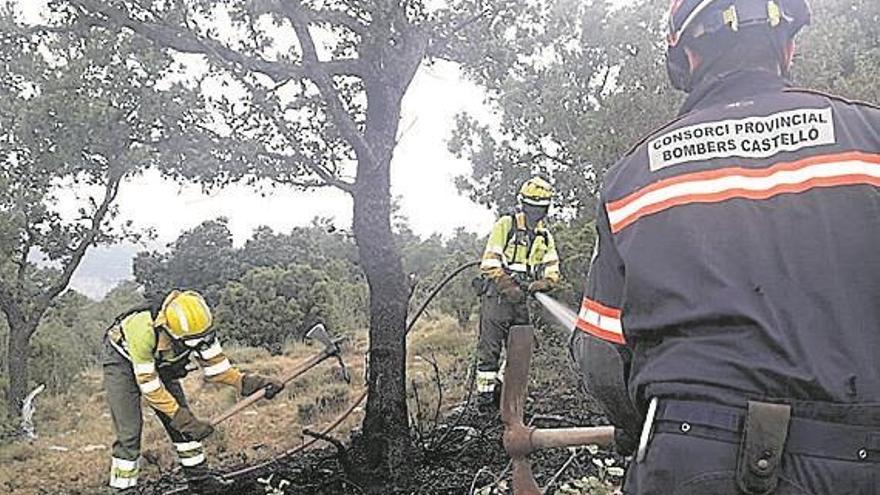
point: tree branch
(337, 18)
(299, 18)
(326, 175)
(110, 191)
(531, 156)
(25, 251)
(186, 41)
(439, 44)
(323, 16)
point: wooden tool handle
(238, 407)
(550, 438)
(516, 374)
(259, 394)
(523, 480)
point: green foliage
(574, 241)
(202, 258)
(81, 110)
(69, 338)
(272, 289)
(839, 52)
(433, 259)
(271, 304)
(276, 286)
(587, 82)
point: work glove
(509, 290)
(542, 285)
(625, 441)
(252, 382)
(184, 422)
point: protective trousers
(701, 448)
(124, 399)
(496, 318)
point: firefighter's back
(749, 231)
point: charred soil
(461, 454)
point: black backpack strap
(512, 231)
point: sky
(422, 181)
(422, 178)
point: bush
(271, 305)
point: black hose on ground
(435, 291)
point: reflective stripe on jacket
(148, 349)
(737, 248)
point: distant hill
(103, 268)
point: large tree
(78, 115)
(594, 87)
(312, 91)
(600, 86)
(202, 258)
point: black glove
(509, 290)
(542, 285)
(625, 441)
(184, 422)
(251, 383)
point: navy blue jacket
(739, 249)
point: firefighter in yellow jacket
(520, 258)
(147, 350)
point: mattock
(520, 440)
(331, 349)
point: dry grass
(73, 451)
(450, 347)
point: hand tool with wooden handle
(331, 349)
(520, 440)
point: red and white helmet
(692, 19)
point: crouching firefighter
(520, 258)
(146, 352)
(738, 272)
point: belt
(806, 436)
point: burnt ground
(461, 453)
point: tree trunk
(386, 435)
(386, 425)
(17, 365)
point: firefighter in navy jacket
(737, 270)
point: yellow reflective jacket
(512, 250)
(149, 348)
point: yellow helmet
(536, 191)
(185, 314)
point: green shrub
(272, 305)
